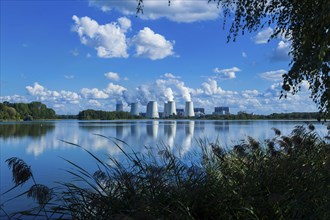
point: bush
(287, 177)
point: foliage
(304, 23)
(7, 112)
(104, 115)
(273, 116)
(25, 111)
(22, 173)
(286, 177)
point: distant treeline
(25, 111)
(104, 115)
(274, 116)
(37, 110)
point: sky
(92, 54)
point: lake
(39, 143)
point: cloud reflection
(179, 136)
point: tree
(305, 23)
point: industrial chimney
(165, 113)
(119, 107)
(171, 109)
(134, 108)
(152, 110)
(189, 110)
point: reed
(286, 177)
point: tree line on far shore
(38, 110)
(25, 111)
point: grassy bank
(287, 177)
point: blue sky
(75, 55)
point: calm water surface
(39, 143)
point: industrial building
(189, 109)
(199, 110)
(152, 110)
(221, 111)
(134, 108)
(180, 112)
(119, 107)
(169, 108)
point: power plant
(169, 108)
(165, 114)
(189, 109)
(221, 111)
(134, 108)
(119, 107)
(152, 110)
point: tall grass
(286, 177)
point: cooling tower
(189, 110)
(171, 109)
(152, 110)
(119, 107)
(165, 113)
(134, 108)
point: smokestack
(119, 107)
(165, 113)
(152, 110)
(171, 109)
(189, 110)
(134, 108)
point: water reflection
(39, 144)
(119, 131)
(152, 129)
(36, 138)
(200, 126)
(135, 130)
(189, 134)
(170, 132)
(221, 126)
(19, 130)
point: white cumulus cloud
(44, 94)
(211, 88)
(94, 103)
(109, 40)
(229, 73)
(281, 53)
(113, 89)
(170, 75)
(167, 87)
(263, 36)
(152, 45)
(112, 76)
(13, 98)
(178, 11)
(94, 93)
(274, 75)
